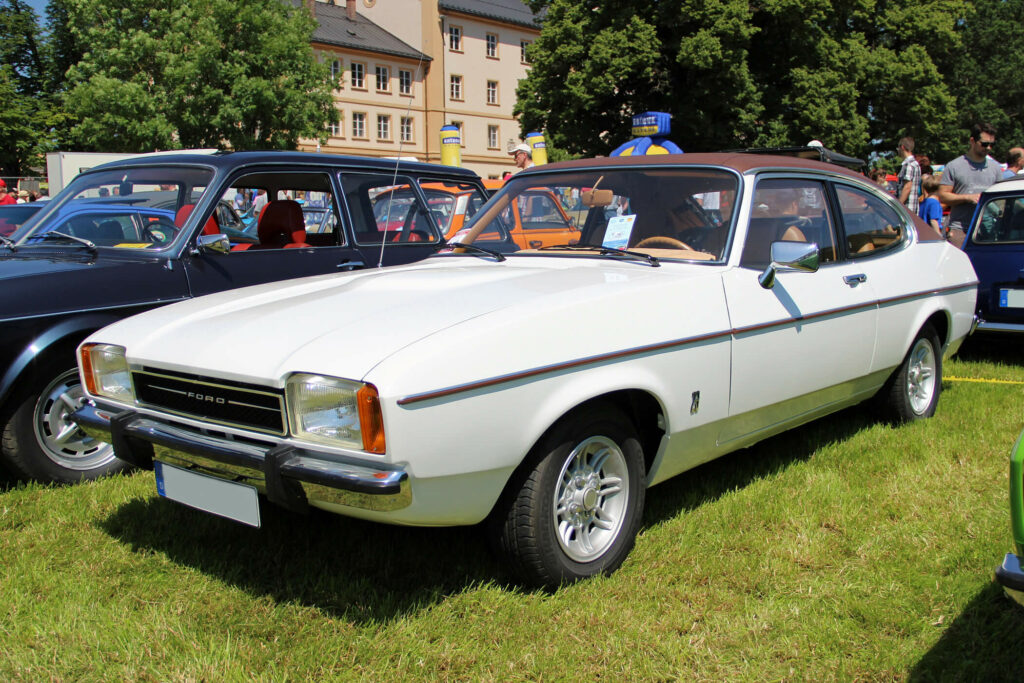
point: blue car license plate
(239, 502)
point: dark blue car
(995, 245)
(131, 235)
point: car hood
(44, 280)
(347, 324)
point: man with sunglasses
(966, 177)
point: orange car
(536, 219)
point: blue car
(131, 235)
(995, 245)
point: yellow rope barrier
(982, 381)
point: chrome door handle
(854, 280)
(350, 265)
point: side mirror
(802, 257)
(218, 244)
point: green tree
(855, 74)
(26, 116)
(169, 75)
(986, 74)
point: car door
(281, 252)
(806, 342)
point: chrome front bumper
(289, 476)
(982, 325)
(1010, 576)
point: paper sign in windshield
(619, 229)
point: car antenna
(394, 176)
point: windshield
(1001, 219)
(136, 208)
(673, 213)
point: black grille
(226, 403)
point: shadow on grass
(980, 645)
(361, 571)
(367, 572)
(1003, 349)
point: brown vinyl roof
(738, 161)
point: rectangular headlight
(335, 412)
(105, 372)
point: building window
(358, 124)
(335, 129)
(455, 88)
(336, 73)
(492, 92)
(404, 82)
(455, 38)
(492, 45)
(358, 75)
(462, 133)
(383, 79)
(383, 127)
(523, 44)
(407, 129)
(492, 137)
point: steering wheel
(161, 231)
(662, 242)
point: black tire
(912, 393)
(546, 544)
(40, 443)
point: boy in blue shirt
(930, 209)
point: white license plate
(239, 502)
(1011, 298)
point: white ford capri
(700, 304)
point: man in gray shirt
(966, 177)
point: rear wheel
(575, 512)
(41, 442)
(912, 393)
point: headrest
(281, 221)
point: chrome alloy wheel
(921, 372)
(60, 439)
(591, 499)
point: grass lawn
(844, 550)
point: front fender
(48, 337)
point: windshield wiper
(64, 236)
(605, 251)
(4, 240)
(498, 256)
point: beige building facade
(406, 68)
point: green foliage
(27, 115)
(987, 73)
(167, 75)
(855, 74)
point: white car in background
(545, 390)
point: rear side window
(1000, 220)
(869, 223)
(387, 208)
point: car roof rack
(809, 152)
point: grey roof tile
(511, 11)
(335, 28)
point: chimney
(350, 9)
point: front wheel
(40, 441)
(912, 393)
(575, 508)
